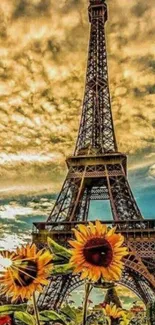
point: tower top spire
(96, 132)
(97, 8)
(97, 1)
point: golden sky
(43, 52)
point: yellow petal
(84, 230)
(98, 227)
(111, 232)
(92, 228)
(80, 237)
(84, 274)
(44, 259)
(32, 250)
(75, 244)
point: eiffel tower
(98, 171)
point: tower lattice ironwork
(98, 171)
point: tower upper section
(96, 132)
(97, 8)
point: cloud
(152, 171)
(11, 241)
(31, 8)
(17, 216)
(43, 50)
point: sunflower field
(95, 253)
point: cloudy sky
(43, 53)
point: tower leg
(123, 204)
(151, 313)
(61, 286)
(57, 291)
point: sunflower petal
(17, 280)
(84, 230)
(80, 237)
(92, 239)
(75, 244)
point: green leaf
(25, 317)
(43, 318)
(72, 314)
(108, 319)
(11, 308)
(60, 251)
(64, 268)
(69, 312)
(53, 316)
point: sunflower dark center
(98, 252)
(27, 273)
(114, 321)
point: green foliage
(10, 309)
(25, 317)
(73, 315)
(69, 312)
(20, 314)
(64, 268)
(61, 257)
(44, 316)
(51, 315)
(61, 253)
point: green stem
(88, 289)
(36, 309)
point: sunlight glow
(25, 157)
(12, 241)
(11, 211)
(4, 263)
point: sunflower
(24, 271)
(113, 312)
(97, 252)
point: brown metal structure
(97, 171)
